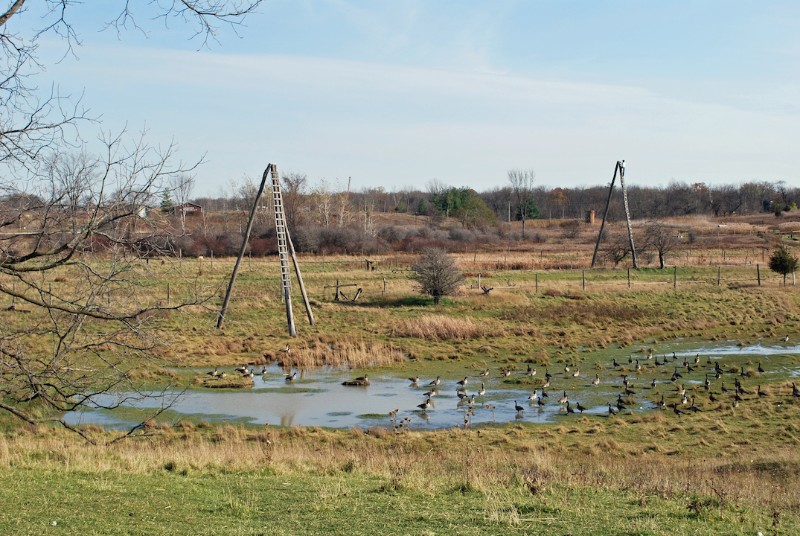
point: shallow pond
(318, 398)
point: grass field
(719, 471)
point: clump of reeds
(356, 353)
(440, 327)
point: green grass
(262, 502)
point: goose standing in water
(517, 407)
(291, 377)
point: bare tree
(661, 238)
(522, 181)
(78, 323)
(294, 197)
(437, 274)
(182, 186)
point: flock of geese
(661, 383)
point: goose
(425, 405)
(248, 375)
(241, 368)
(653, 383)
(505, 373)
(676, 410)
(547, 375)
(361, 381)
(531, 371)
(650, 355)
(707, 383)
(795, 391)
(544, 394)
(697, 359)
(435, 382)
(576, 374)
(614, 363)
(761, 393)
(431, 393)
(533, 397)
(760, 368)
(570, 411)
(564, 399)
(214, 373)
(285, 349)
(612, 410)
(660, 403)
(566, 370)
(620, 403)
(712, 398)
(638, 366)
(463, 382)
(786, 339)
(579, 407)
(414, 380)
(485, 372)
(724, 389)
(291, 377)
(596, 380)
(461, 395)
(517, 407)
(736, 402)
(482, 390)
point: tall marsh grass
(442, 328)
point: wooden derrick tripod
(619, 167)
(285, 250)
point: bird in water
(596, 380)
(414, 380)
(517, 407)
(291, 377)
(425, 405)
(435, 382)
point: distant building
(186, 208)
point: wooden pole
(299, 276)
(246, 238)
(719, 276)
(621, 166)
(537, 283)
(605, 214)
(336, 297)
(758, 274)
(168, 296)
(583, 279)
(629, 277)
(675, 277)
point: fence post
(719, 276)
(336, 297)
(384, 285)
(583, 279)
(675, 277)
(537, 283)
(168, 296)
(629, 277)
(758, 274)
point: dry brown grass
(337, 352)
(442, 328)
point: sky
(397, 94)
